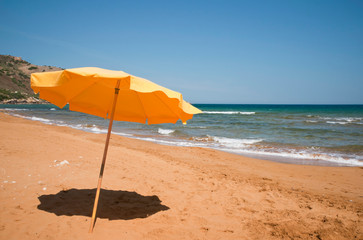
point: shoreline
(186, 192)
(298, 157)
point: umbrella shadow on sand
(113, 205)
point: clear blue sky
(211, 51)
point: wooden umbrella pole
(104, 157)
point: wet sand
(48, 176)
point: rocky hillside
(15, 79)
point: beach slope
(48, 176)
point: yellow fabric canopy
(91, 90)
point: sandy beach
(48, 177)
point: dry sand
(49, 175)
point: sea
(325, 135)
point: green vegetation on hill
(6, 94)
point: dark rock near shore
(29, 100)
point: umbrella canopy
(96, 91)
(90, 90)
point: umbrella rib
(168, 106)
(142, 104)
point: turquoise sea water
(300, 134)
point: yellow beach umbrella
(115, 95)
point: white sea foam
(247, 113)
(342, 120)
(33, 118)
(97, 130)
(122, 134)
(229, 112)
(84, 127)
(94, 129)
(194, 127)
(350, 119)
(173, 143)
(40, 119)
(332, 122)
(165, 131)
(235, 143)
(52, 109)
(301, 155)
